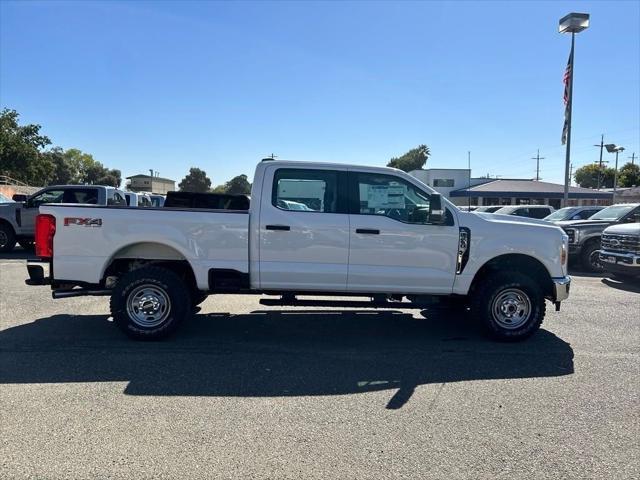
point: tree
(82, 165)
(195, 181)
(629, 175)
(236, 186)
(62, 171)
(587, 176)
(20, 148)
(414, 159)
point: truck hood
(624, 229)
(583, 223)
(495, 217)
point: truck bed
(88, 236)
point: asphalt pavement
(248, 391)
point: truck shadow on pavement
(278, 353)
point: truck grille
(621, 243)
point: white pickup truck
(363, 232)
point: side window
(144, 202)
(539, 212)
(305, 190)
(48, 196)
(389, 196)
(116, 199)
(522, 212)
(81, 195)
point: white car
(366, 231)
(138, 199)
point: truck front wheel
(150, 303)
(510, 305)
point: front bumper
(561, 288)
(619, 261)
(39, 273)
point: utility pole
(633, 158)
(537, 158)
(600, 163)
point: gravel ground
(248, 391)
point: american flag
(567, 86)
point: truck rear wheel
(510, 305)
(7, 238)
(150, 303)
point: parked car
(372, 232)
(138, 199)
(17, 220)
(529, 211)
(209, 201)
(584, 235)
(572, 213)
(488, 208)
(157, 200)
(620, 250)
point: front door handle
(369, 231)
(284, 228)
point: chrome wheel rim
(511, 308)
(3, 239)
(148, 306)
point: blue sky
(220, 85)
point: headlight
(573, 235)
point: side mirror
(19, 197)
(436, 212)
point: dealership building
(457, 185)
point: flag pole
(567, 161)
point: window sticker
(386, 196)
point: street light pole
(613, 148)
(572, 23)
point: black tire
(509, 290)
(589, 257)
(167, 297)
(7, 238)
(197, 297)
(28, 245)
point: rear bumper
(39, 273)
(561, 287)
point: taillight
(45, 230)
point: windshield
(614, 212)
(562, 214)
(506, 210)
(4, 199)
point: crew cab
(17, 219)
(369, 232)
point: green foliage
(20, 148)
(22, 157)
(629, 175)
(236, 186)
(414, 159)
(195, 181)
(587, 176)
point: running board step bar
(293, 302)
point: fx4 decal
(84, 222)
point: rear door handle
(369, 231)
(284, 228)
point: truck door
(30, 209)
(393, 247)
(304, 229)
